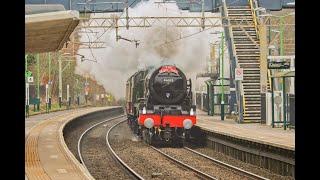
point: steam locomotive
(159, 105)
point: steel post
(27, 85)
(284, 102)
(222, 76)
(49, 74)
(208, 94)
(60, 80)
(68, 97)
(27, 100)
(272, 103)
(26, 64)
(202, 15)
(213, 95)
(281, 36)
(38, 82)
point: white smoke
(119, 60)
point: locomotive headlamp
(187, 123)
(148, 123)
(144, 110)
(191, 112)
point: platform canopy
(48, 31)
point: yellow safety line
(33, 166)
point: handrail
(229, 29)
(238, 86)
(254, 16)
(269, 78)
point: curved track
(198, 170)
(135, 174)
(125, 167)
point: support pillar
(60, 81)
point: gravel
(245, 166)
(75, 128)
(96, 156)
(202, 163)
(140, 157)
(144, 160)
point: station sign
(238, 74)
(279, 65)
(30, 79)
(28, 74)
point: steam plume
(158, 44)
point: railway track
(130, 170)
(198, 172)
(106, 123)
(135, 173)
(246, 173)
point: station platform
(259, 133)
(32, 121)
(46, 154)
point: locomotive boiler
(159, 105)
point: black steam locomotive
(159, 105)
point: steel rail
(247, 173)
(127, 167)
(87, 130)
(185, 165)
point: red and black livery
(159, 105)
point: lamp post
(60, 80)
(26, 64)
(222, 75)
(27, 87)
(221, 71)
(281, 36)
(86, 89)
(77, 92)
(60, 75)
(38, 83)
(49, 83)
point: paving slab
(47, 155)
(255, 132)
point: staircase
(247, 53)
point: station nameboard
(279, 65)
